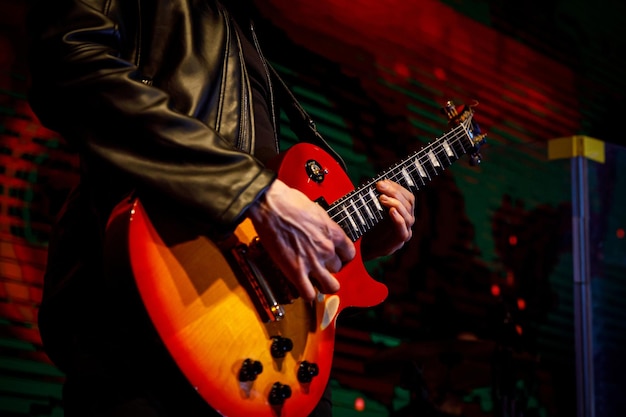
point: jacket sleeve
(85, 86)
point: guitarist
(174, 101)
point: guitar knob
(307, 371)
(280, 347)
(279, 393)
(249, 370)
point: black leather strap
(300, 122)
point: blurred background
(480, 317)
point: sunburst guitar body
(232, 323)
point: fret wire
(361, 225)
(450, 148)
(438, 164)
(373, 199)
(420, 161)
(428, 162)
(408, 172)
(368, 188)
(422, 155)
(415, 164)
(457, 147)
(397, 173)
(402, 174)
(351, 222)
(370, 216)
(361, 205)
(345, 224)
(341, 203)
(442, 150)
(358, 213)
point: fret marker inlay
(349, 217)
(375, 200)
(446, 146)
(407, 177)
(419, 168)
(367, 209)
(433, 159)
(358, 213)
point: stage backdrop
(491, 257)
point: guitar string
(423, 156)
(352, 209)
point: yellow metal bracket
(573, 146)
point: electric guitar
(233, 324)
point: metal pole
(582, 289)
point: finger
(401, 209)
(344, 247)
(403, 228)
(326, 282)
(398, 192)
(334, 264)
(403, 195)
(305, 286)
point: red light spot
(620, 233)
(440, 74)
(402, 70)
(495, 290)
(512, 240)
(359, 404)
(519, 329)
(510, 277)
(521, 304)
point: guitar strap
(299, 120)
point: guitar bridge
(268, 300)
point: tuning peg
(480, 139)
(475, 159)
(449, 110)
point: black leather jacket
(154, 96)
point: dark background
(491, 258)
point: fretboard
(361, 210)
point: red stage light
(402, 70)
(495, 290)
(359, 404)
(440, 74)
(510, 277)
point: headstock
(464, 117)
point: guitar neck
(360, 210)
